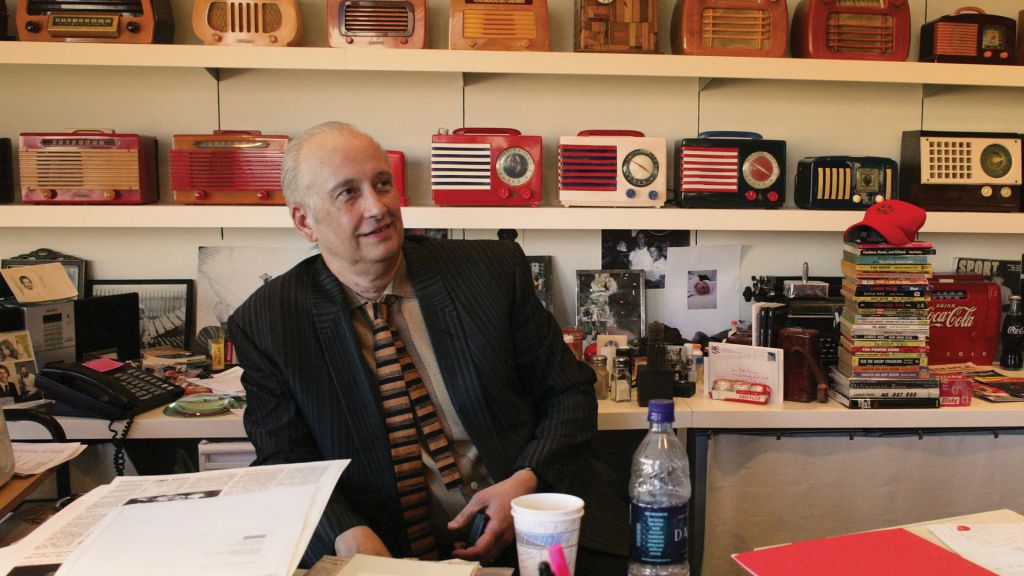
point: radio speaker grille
(729, 28)
(860, 33)
(482, 24)
(950, 160)
(244, 17)
(834, 183)
(226, 170)
(82, 170)
(374, 18)
(583, 167)
(956, 39)
(455, 166)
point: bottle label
(659, 534)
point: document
(53, 543)
(362, 565)
(998, 547)
(33, 458)
(227, 382)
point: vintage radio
(378, 23)
(731, 27)
(260, 23)
(499, 25)
(731, 170)
(964, 320)
(87, 167)
(611, 168)
(617, 26)
(486, 167)
(6, 172)
(397, 161)
(961, 171)
(852, 29)
(120, 21)
(844, 182)
(977, 38)
(227, 167)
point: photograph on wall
(39, 283)
(17, 368)
(73, 266)
(166, 309)
(1005, 273)
(645, 250)
(540, 273)
(610, 302)
(703, 285)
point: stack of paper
(34, 458)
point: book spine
(884, 258)
(888, 322)
(852, 290)
(882, 403)
(891, 303)
(888, 392)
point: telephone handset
(114, 394)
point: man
(517, 410)
(26, 283)
(640, 258)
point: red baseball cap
(895, 220)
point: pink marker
(558, 564)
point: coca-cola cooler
(964, 320)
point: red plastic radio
(6, 172)
(377, 23)
(961, 171)
(247, 22)
(227, 167)
(852, 29)
(499, 25)
(731, 27)
(87, 167)
(119, 21)
(731, 170)
(611, 168)
(486, 167)
(397, 161)
(969, 38)
(964, 320)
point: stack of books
(883, 353)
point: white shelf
(543, 218)
(491, 62)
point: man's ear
(302, 219)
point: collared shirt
(407, 322)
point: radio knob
(262, 195)
(986, 191)
(1005, 192)
(273, 39)
(403, 41)
(525, 44)
(653, 194)
(987, 53)
(472, 43)
(109, 195)
(199, 195)
(217, 37)
(1004, 55)
(133, 27)
(526, 194)
(349, 39)
(630, 193)
(504, 193)
(750, 195)
(773, 196)
(32, 27)
(856, 198)
(879, 198)
(48, 194)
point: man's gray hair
(293, 180)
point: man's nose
(373, 205)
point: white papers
(997, 547)
(703, 285)
(362, 565)
(227, 382)
(755, 364)
(32, 458)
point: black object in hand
(476, 529)
(544, 569)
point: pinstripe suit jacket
(522, 396)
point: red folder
(893, 552)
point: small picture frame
(17, 368)
(166, 309)
(540, 272)
(73, 266)
(610, 302)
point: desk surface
(17, 489)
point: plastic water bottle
(659, 489)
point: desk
(18, 488)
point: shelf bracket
(702, 83)
(214, 72)
(929, 90)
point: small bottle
(217, 350)
(659, 491)
(621, 380)
(1012, 336)
(599, 362)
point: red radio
(227, 167)
(731, 27)
(852, 29)
(87, 167)
(486, 167)
(611, 168)
(377, 23)
(397, 161)
(969, 38)
(964, 320)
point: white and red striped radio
(611, 168)
(486, 167)
(964, 320)
(731, 170)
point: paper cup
(542, 520)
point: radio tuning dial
(514, 166)
(640, 168)
(996, 160)
(761, 169)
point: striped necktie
(409, 415)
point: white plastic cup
(542, 520)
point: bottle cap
(599, 359)
(660, 410)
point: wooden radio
(87, 167)
(617, 26)
(6, 172)
(961, 171)
(247, 22)
(397, 161)
(486, 167)
(845, 182)
(611, 168)
(731, 170)
(499, 25)
(227, 167)
(976, 38)
(119, 21)
(852, 29)
(731, 27)
(377, 23)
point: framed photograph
(645, 250)
(17, 368)
(166, 307)
(610, 302)
(540, 271)
(73, 266)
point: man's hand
(496, 501)
(360, 540)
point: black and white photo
(166, 309)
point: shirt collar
(401, 287)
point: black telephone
(112, 395)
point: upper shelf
(543, 218)
(490, 62)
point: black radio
(6, 172)
(844, 182)
(730, 170)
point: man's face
(26, 282)
(641, 240)
(358, 218)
